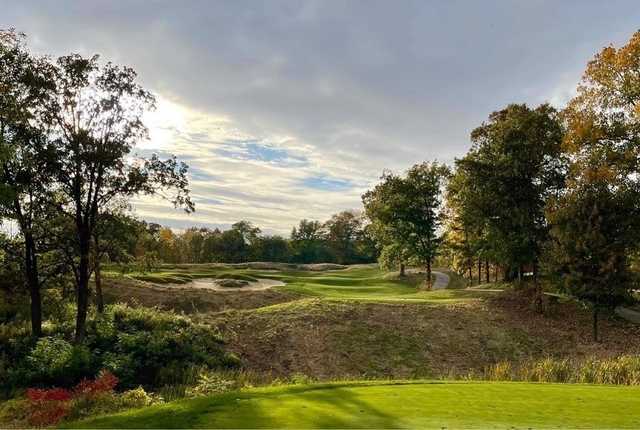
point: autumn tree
(595, 223)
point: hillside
(359, 323)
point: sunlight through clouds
(273, 181)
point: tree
(110, 241)
(24, 82)
(343, 232)
(384, 227)
(595, 222)
(307, 242)
(272, 248)
(593, 230)
(407, 210)
(514, 166)
(94, 115)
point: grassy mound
(394, 405)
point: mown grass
(355, 283)
(394, 405)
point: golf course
(302, 214)
(416, 404)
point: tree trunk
(99, 296)
(33, 283)
(98, 277)
(402, 270)
(429, 274)
(479, 270)
(486, 271)
(470, 273)
(538, 288)
(495, 279)
(595, 323)
(82, 292)
(519, 273)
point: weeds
(622, 370)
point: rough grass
(331, 339)
(394, 405)
(356, 323)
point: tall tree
(95, 115)
(596, 225)
(515, 165)
(24, 85)
(594, 228)
(408, 211)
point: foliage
(405, 213)
(138, 345)
(622, 370)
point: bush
(148, 343)
(211, 383)
(136, 398)
(141, 346)
(14, 413)
(55, 361)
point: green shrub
(141, 346)
(54, 361)
(211, 383)
(136, 398)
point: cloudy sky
(291, 109)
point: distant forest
(343, 239)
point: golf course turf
(394, 405)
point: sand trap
(214, 285)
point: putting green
(395, 405)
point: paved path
(441, 282)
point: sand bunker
(229, 284)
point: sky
(292, 109)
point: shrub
(136, 398)
(14, 413)
(141, 346)
(47, 407)
(54, 361)
(211, 383)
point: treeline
(542, 192)
(343, 239)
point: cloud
(290, 109)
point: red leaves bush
(47, 407)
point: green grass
(395, 405)
(355, 283)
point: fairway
(395, 405)
(364, 283)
